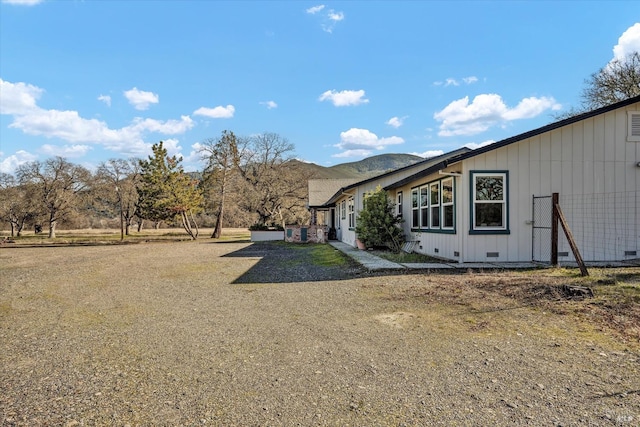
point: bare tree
(58, 184)
(276, 183)
(17, 205)
(221, 155)
(120, 179)
(615, 82)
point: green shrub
(377, 225)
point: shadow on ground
(286, 263)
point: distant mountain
(365, 168)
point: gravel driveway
(235, 334)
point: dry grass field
(229, 333)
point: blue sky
(94, 80)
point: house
(494, 203)
(337, 201)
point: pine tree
(166, 192)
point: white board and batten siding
(592, 161)
(593, 167)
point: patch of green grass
(317, 254)
(327, 256)
(403, 257)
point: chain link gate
(541, 230)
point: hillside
(364, 168)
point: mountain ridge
(365, 168)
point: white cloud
(67, 125)
(18, 98)
(169, 127)
(69, 151)
(463, 118)
(352, 153)
(23, 2)
(315, 9)
(141, 99)
(474, 145)
(331, 20)
(455, 82)
(429, 153)
(531, 107)
(269, 104)
(11, 163)
(218, 112)
(106, 99)
(628, 42)
(328, 19)
(344, 98)
(362, 142)
(396, 122)
(335, 16)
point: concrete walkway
(374, 263)
(368, 260)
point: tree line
(246, 182)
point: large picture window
(489, 202)
(433, 206)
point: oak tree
(276, 182)
(58, 186)
(17, 205)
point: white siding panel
(598, 139)
(519, 167)
(556, 144)
(588, 143)
(620, 129)
(578, 173)
(567, 143)
(545, 178)
(577, 136)
(609, 137)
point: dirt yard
(240, 334)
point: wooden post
(555, 199)
(572, 242)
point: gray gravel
(234, 334)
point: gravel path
(234, 334)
